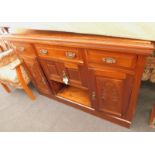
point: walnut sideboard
(99, 75)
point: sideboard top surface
(81, 40)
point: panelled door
(110, 91)
(37, 75)
(65, 72)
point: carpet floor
(19, 113)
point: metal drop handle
(70, 55)
(43, 51)
(109, 60)
(21, 49)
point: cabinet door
(51, 69)
(75, 73)
(111, 91)
(37, 75)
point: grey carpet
(19, 113)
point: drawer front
(59, 53)
(24, 49)
(102, 58)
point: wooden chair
(13, 73)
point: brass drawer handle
(70, 55)
(21, 49)
(43, 51)
(109, 60)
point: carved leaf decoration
(110, 92)
(110, 95)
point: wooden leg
(5, 87)
(24, 85)
(152, 118)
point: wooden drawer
(59, 53)
(24, 49)
(102, 58)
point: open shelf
(74, 94)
